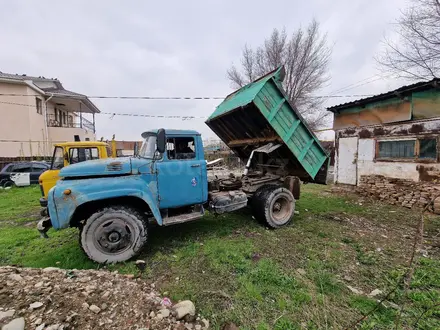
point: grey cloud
(176, 48)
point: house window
(39, 105)
(407, 149)
(397, 149)
(428, 149)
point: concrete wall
(366, 163)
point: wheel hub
(113, 236)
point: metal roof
(399, 92)
(58, 91)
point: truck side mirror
(161, 140)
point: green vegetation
(238, 271)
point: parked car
(33, 168)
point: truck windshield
(148, 147)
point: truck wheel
(275, 207)
(114, 234)
(256, 201)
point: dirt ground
(52, 298)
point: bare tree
(415, 53)
(306, 58)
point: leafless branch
(415, 52)
(305, 56)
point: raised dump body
(259, 113)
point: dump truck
(112, 201)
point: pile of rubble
(394, 191)
(55, 299)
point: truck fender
(146, 196)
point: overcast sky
(178, 48)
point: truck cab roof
(172, 132)
(81, 144)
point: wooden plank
(291, 130)
(255, 141)
(275, 109)
(305, 149)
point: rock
(165, 312)
(296, 212)
(15, 277)
(105, 295)
(85, 305)
(354, 290)
(9, 313)
(53, 327)
(152, 314)
(159, 317)
(39, 284)
(40, 327)
(375, 293)
(51, 269)
(104, 306)
(36, 305)
(301, 271)
(205, 323)
(391, 304)
(348, 278)
(184, 308)
(188, 326)
(198, 327)
(15, 324)
(38, 321)
(95, 309)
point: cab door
(179, 174)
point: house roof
(50, 87)
(399, 92)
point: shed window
(428, 148)
(397, 149)
(39, 105)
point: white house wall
(368, 136)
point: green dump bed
(259, 113)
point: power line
(186, 97)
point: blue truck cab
(112, 201)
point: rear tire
(114, 234)
(256, 200)
(275, 207)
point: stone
(301, 271)
(152, 314)
(375, 293)
(53, 327)
(15, 277)
(36, 305)
(85, 305)
(354, 290)
(9, 313)
(39, 285)
(38, 321)
(198, 327)
(40, 327)
(95, 309)
(105, 295)
(205, 323)
(159, 317)
(165, 312)
(51, 269)
(15, 324)
(184, 308)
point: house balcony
(70, 121)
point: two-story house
(37, 112)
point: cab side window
(181, 148)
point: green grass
(19, 205)
(236, 270)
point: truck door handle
(195, 165)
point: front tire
(114, 234)
(275, 207)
